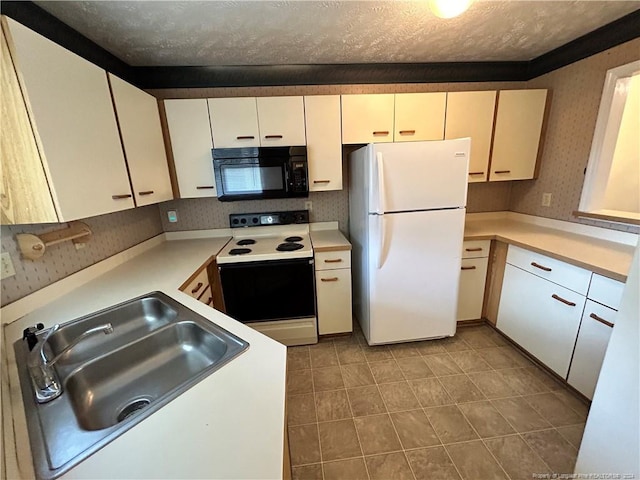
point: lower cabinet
(333, 292)
(473, 275)
(204, 286)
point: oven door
(267, 291)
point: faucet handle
(29, 334)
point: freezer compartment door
(414, 271)
(418, 175)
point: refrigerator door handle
(382, 239)
(382, 194)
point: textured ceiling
(175, 33)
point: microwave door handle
(286, 178)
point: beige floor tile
(366, 401)
(571, 400)
(377, 354)
(332, 405)
(520, 414)
(477, 338)
(298, 358)
(389, 466)
(403, 350)
(398, 396)
(432, 463)
(497, 338)
(554, 410)
(442, 364)
(492, 384)
(414, 429)
(352, 469)
(455, 344)
(323, 355)
(348, 354)
(430, 392)
(522, 381)
(498, 357)
(545, 378)
(304, 444)
(329, 378)
(299, 382)
(469, 361)
(339, 440)
(450, 424)
(516, 457)
(485, 419)
(386, 371)
(301, 409)
(461, 388)
(307, 472)
(474, 461)
(377, 434)
(518, 357)
(430, 347)
(557, 452)
(357, 375)
(414, 367)
(573, 434)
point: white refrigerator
(407, 203)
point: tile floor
(469, 407)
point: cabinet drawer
(606, 291)
(475, 248)
(569, 276)
(198, 285)
(333, 260)
(471, 294)
(333, 290)
(206, 297)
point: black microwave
(253, 173)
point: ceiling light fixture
(449, 8)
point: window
(611, 188)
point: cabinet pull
(205, 187)
(601, 320)
(332, 279)
(321, 181)
(381, 132)
(475, 249)
(560, 299)
(245, 137)
(473, 267)
(120, 197)
(502, 171)
(333, 260)
(146, 192)
(197, 287)
(406, 132)
(273, 136)
(541, 267)
(476, 173)
(210, 301)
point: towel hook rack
(33, 247)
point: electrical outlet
(172, 215)
(308, 205)
(79, 245)
(546, 199)
(7, 266)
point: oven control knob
(286, 218)
(255, 220)
(236, 221)
(243, 221)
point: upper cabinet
(470, 114)
(190, 138)
(419, 116)
(141, 134)
(281, 121)
(324, 145)
(367, 118)
(517, 134)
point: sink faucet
(44, 378)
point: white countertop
(230, 425)
(329, 241)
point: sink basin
(159, 349)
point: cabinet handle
(541, 267)
(476, 173)
(210, 301)
(560, 299)
(332, 279)
(146, 192)
(381, 132)
(273, 136)
(601, 320)
(502, 171)
(245, 137)
(197, 287)
(476, 249)
(205, 187)
(321, 181)
(333, 260)
(406, 132)
(120, 197)
(473, 267)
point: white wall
(611, 437)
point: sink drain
(132, 408)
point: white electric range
(267, 275)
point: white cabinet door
(470, 114)
(419, 116)
(281, 121)
(190, 136)
(516, 139)
(473, 275)
(593, 338)
(234, 122)
(540, 316)
(76, 126)
(141, 134)
(367, 118)
(324, 142)
(333, 296)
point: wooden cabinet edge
(543, 134)
(169, 149)
(493, 282)
(216, 286)
(286, 453)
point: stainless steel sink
(158, 350)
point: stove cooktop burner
(239, 251)
(293, 239)
(245, 241)
(289, 247)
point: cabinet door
(141, 135)
(470, 114)
(76, 126)
(473, 275)
(419, 116)
(533, 314)
(234, 122)
(333, 296)
(367, 118)
(593, 338)
(324, 142)
(281, 121)
(190, 135)
(516, 139)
